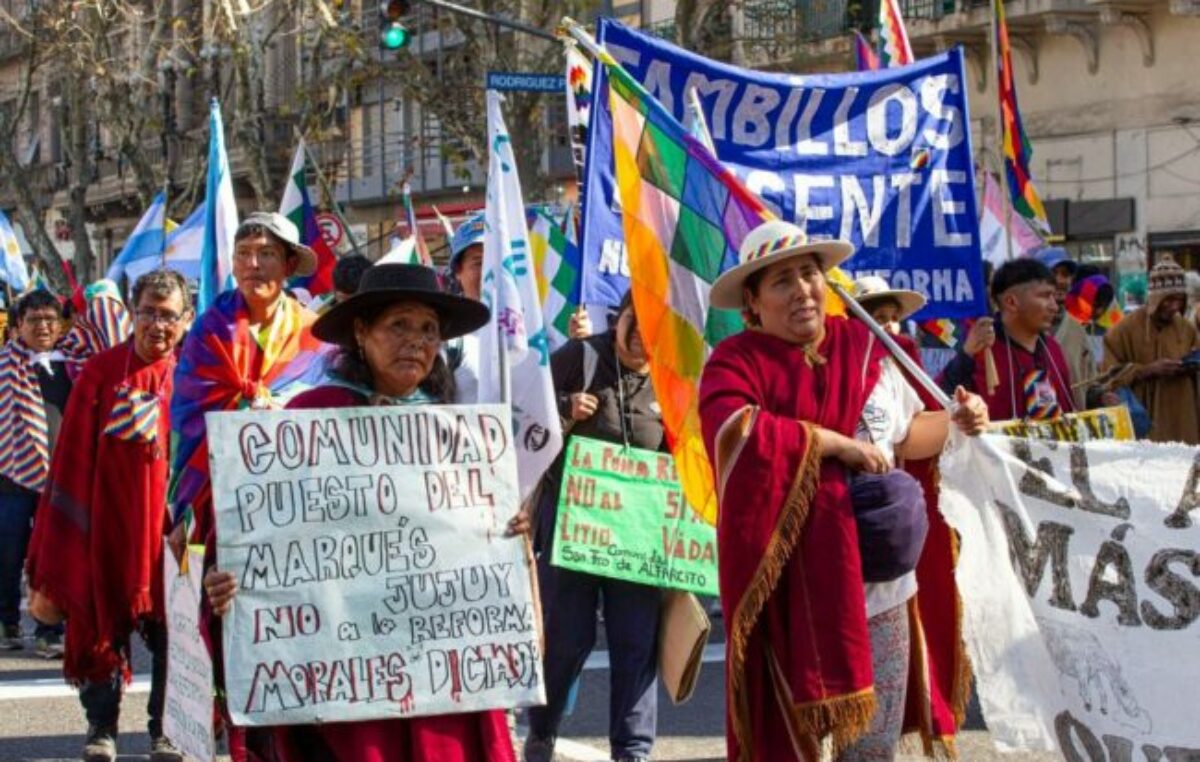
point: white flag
(509, 289)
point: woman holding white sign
(804, 416)
(390, 335)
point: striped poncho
(224, 366)
(24, 427)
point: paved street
(40, 718)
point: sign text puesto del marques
(374, 576)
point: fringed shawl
(97, 544)
(798, 660)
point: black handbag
(889, 510)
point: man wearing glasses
(96, 554)
(36, 383)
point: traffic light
(393, 35)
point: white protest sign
(187, 717)
(375, 578)
(1078, 571)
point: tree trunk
(250, 120)
(31, 214)
(82, 174)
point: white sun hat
(771, 242)
(870, 289)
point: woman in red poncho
(390, 334)
(793, 409)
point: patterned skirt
(889, 660)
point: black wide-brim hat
(382, 285)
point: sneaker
(50, 646)
(10, 639)
(538, 749)
(162, 750)
(101, 745)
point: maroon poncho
(98, 536)
(798, 664)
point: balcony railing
(806, 20)
(929, 9)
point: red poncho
(798, 664)
(98, 537)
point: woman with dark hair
(389, 336)
(804, 417)
(604, 392)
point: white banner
(1078, 570)
(515, 341)
(375, 578)
(187, 718)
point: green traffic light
(394, 36)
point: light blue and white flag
(12, 264)
(182, 251)
(510, 290)
(221, 218)
(145, 244)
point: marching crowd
(823, 446)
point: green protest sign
(621, 514)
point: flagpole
(918, 373)
(1008, 208)
(992, 377)
(334, 206)
(580, 35)
(162, 257)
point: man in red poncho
(97, 548)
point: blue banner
(882, 159)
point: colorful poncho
(103, 325)
(223, 366)
(799, 656)
(98, 539)
(24, 428)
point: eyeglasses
(41, 319)
(151, 316)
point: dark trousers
(102, 701)
(16, 526)
(569, 601)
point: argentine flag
(221, 218)
(12, 264)
(181, 250)
(145, 245)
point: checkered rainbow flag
(685, 218)
(556, 264)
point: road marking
(54, 687)
(580, 752)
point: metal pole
(334, 205)
(581, 36)
(491, 19)
(918, 373)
